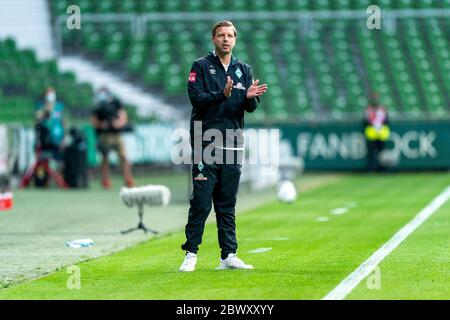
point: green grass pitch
(312, 251)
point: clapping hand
(255, 90)
(228, 87)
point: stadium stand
(23, 80)
(327, 68)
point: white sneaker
(233, 262)
(190, 260)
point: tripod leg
(141, 225)
(28, 176)
(150, 230)
(129, 230)
(56, 177)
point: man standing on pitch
(220, 89)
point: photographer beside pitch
(50, 127)
(110, 119)
(220, 89)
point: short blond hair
(224, 23)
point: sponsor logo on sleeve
(192, 76)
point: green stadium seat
(149, 6)
(333, 65)
(152, 74)
(59, 7)
(104, 6)
(21, 72)
(300, 5)
(279, 5)
(340, 4)
(127, 6)
(194, 6)
(423, 4)
(320, 5)
(86, 6)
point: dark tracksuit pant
(374, 149)
(218, 184)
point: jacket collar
(214, 58)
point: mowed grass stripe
(419, 268)
(314, 259)
(367, 267)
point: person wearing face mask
(50, 126)
(110, 119)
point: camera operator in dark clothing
(110, 119)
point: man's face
(224, 40)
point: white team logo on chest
(239, 86)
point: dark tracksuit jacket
(217, 182)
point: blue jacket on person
(54, 123)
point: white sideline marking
(260, 250)
(322, 219)
(351, 205)
(339, 211)
(271, 239)
(280, 239)
(349, 283)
